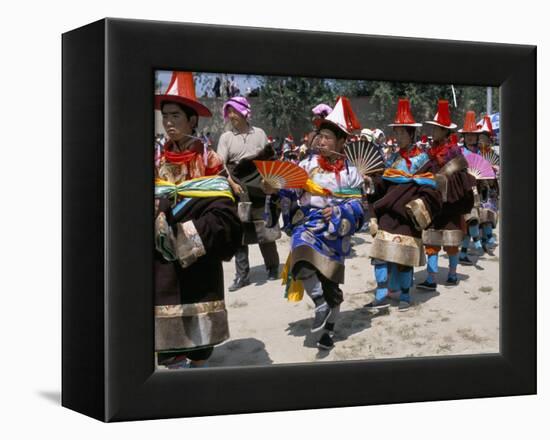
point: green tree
(287, 102)
(423, 97)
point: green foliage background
(288, 101)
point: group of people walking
(210, 205)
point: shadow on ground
(240, 352)
(348, 323)
(258, 274)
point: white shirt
(351, 179)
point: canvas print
(314, 220)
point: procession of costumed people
(416, 195)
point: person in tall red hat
(471, 132)
(456, 187)
(196, 228)
(185, 155)
(402, 203)
(321, 219)
(488, 191)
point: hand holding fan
(365, 157)
(279, 174)
(479, 167)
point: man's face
(175, 122)
(403, 137)
(328, 142)
(237, 120)
(439, 134)
(470, 139)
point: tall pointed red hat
(342, 116)
(181, 89)
(470, 125)
(485, 125)
(443, 116)
(403, 116)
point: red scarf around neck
(179, 158)
(439, 151)
(335, 167)
(407, 154)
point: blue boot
(405, 279)
(452, 278)
(381, 299)
(430, 283)
(404, 301)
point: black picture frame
(107, 301)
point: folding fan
(365, 157)
(479, 167)
(279, 174)
(491, 157)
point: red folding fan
(279, 174)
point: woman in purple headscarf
(238, 148)
(320, 111)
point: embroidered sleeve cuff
(164, 238)
(189, 246)
(419, 214)
(441, 181)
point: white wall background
(31, 234)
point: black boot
(273, 273)
(325, 342)
(239, 283)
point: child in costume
(320, 219)
(455, 185)
(471, 133)
(489, 191)
(402, 202)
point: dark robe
(402, 211)
(189, 302)
(456, 187)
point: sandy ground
(267, 329)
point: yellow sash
(295, 288)
(207, 186)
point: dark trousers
(332, 294)
(269, 253)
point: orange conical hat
(181, 89)
(443, 116)
(469, 123)
(403, 116)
